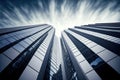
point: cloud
(62, 14)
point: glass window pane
(97, 49)
(3, 43)
(11, 53)
(91, 44)
(28, 41)
(4, 61)
(19, 47)
(28, 74)
(39, 55)
(93, 76)
(107, 55)
(23, 43)
(115, 63)
(11, 39)
(85, 66)
(80, 58)
(96, 62)
(1, 37)
(35, 63)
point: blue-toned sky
(62, 14)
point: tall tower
(88, 52)
(27, 53)
(92, 52)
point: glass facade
(96, 49)
(26, 52)
(88, 52)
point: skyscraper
(27, 53)
(88, 52)
(91, 52)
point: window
(4, 61)
(35, 63)
(19, 47)
(39, 55)
(93, 75)
(3, 43)
(107, 55)
(28, 74)
(11, 39)
(80, 58)
(11, 53)
(23, 43)
(85, 66)
(96, 62)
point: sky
(61, 14)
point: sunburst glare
(61, 16)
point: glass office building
(88, 52)
(92, 52)
(28, 53)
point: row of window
(100, 35)
(107, 27)
(84, 64)
(115, 34)
(36, 62)
(22, 49)
(107, 44)
(103, 29)
(69, 68)
(5, 43)
(54, 65)
(97, 49)
(24, 31)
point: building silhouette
(87, 52)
